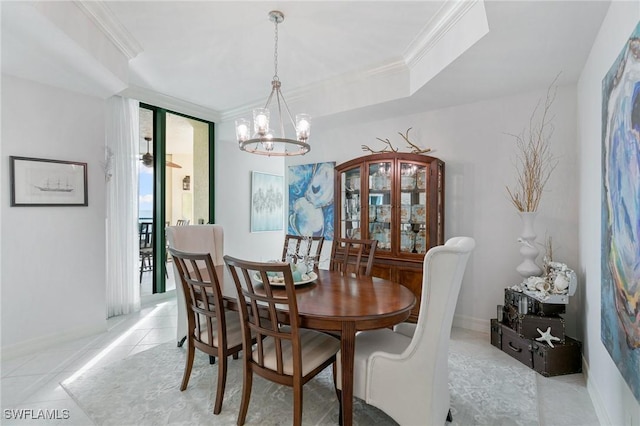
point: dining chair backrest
(353, 256)
(194, 239)
(298, 248)
(261, 312)
(283, 352)
(211, 328)
(203, 296)
(425, 399)
(146, 235)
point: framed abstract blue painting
(620, 263)
(311, 200)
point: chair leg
(212, 359)
(338, 392)
(181, 341)
(235, 356)
(297, 403)
(222, 381)
(188, 365)
(247, 379)
(449, 416)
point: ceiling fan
(147, 159)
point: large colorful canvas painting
(620, 306)
(267, 202)
(311, 200)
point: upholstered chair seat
(234, 330)
(316, 347)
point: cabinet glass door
(350, 193)
(380, 204)
(413, 208)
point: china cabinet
(397, 199)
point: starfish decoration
(546, 337)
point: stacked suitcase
(516, 333)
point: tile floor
(146, 282)
(32, 382)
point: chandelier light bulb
(268, 142)
(261, 121)
(242, 129)
(303, 126)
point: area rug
(143, 389)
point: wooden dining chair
(284, 353)
(353, 256)
(211, 328)
(297, 248)
(416, 362)
(193, 239)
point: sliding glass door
(176, 181)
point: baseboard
(596, 399)
(33, 345)
(475, 324)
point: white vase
(528, 250)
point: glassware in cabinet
(413, 207)
(351, 203)
(380, 203)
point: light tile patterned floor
(32, 382)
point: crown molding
(169, 102)
(102, 16)
(445, 19)
(381, 71)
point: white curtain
(121, 172)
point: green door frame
(159, 193)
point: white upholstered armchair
(194, 239)
(405, 372)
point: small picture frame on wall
(43, 182)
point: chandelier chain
(275, 53)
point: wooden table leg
(347, 353)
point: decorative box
(527, 325)
(526, 304)
(563, 358)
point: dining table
(342, 304)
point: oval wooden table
(346, 304)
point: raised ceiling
(215, 58)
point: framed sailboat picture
(43, 182)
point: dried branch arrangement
(415, 149)
(535, 161)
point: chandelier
(263, 140)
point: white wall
(53, 258)
(233, 200)
(478, 158)
(612, 397)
